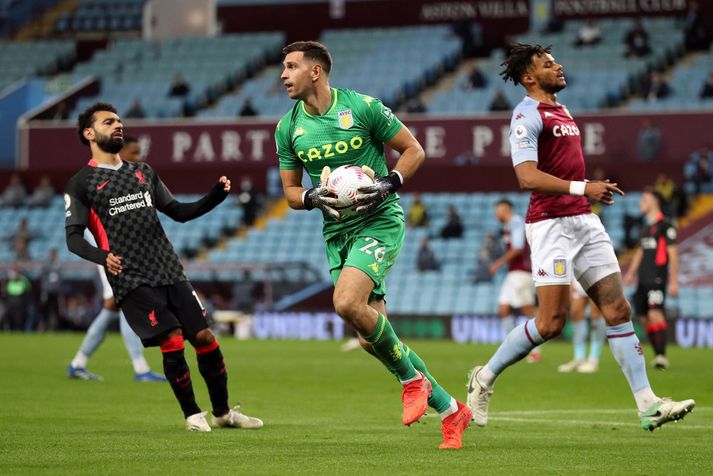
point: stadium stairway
(276, 210)
(702, 206)
(447, 81)
(44, 25)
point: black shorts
(647, 298)
(153, 311)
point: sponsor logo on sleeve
(520, 131)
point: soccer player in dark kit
(117, 201)
(656, 261)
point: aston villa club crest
(346, 120)
(560, 267)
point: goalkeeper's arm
(412, 154)
(292, 187)
(299, 197)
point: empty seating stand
(595, 74)
(406, 60)
(133, 69)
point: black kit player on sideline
(656, 261)
(117, 201)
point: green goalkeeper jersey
(352, 131)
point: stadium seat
(594, 75)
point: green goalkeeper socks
(408, 362)
(440, 400)
(389, 349)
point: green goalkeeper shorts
(373, 249)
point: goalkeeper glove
(316, 197)
(372, 196)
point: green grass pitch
(328, 412)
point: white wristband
(303, 196)
(577, 188)
(401, 177)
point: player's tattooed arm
(532, 179)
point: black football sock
(178, 374)
(212, 368)
(657, 336)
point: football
(344, 183)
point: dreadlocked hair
(520, 59)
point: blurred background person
(43, 194)
(15, 193)
(179, 87)
(417, 216)
(454, 226)
(131, 151)
(21, 240)
(597, 333)
(656, 266)
(249, 200)
(136, 111)
(17, 295)
(476, 79)
(247, 110)
(649, 142)
(500, 102)
(52, 294)
(517, 293)
(487, 254)
(426, 259)
(589, 34)
(707, 89)
(637, 41)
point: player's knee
(619, 312)
(204, 337)
(345, 306)
(551, 326)
(177, 332)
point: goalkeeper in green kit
(329, 127)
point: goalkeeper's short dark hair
(520, 59)
(86, 118)
(313, 50)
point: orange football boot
(415, 399)
(454, 426)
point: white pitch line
(591, 422)
(583, 411)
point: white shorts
(107, 293)
(578, 291)
(568, 248)
(517, 290)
